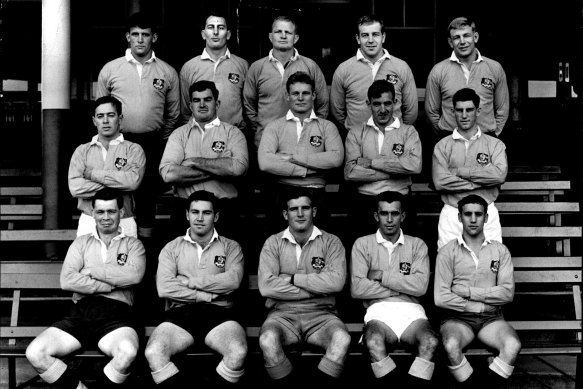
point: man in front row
(101, 269)
(390, 272)
(473, 280)
(197, 274)
(300, 271)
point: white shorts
(449, 226)
(397, 315)
(87, 225)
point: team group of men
(203, 130)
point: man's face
(201, 217)
(215, 33)
(141, 40)
(463, 41)
(473, 217)
(107, 121)
(283, 35)
(204, 106)
(300, 214)
(107, 216)
(301, 98)
(382, 109)
(371, 39)
(466, 115)
(389, 216)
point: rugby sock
(229, 375)
(383, 367)
(164, 373)
(280, 371)
(462, 371)
(422, 368)
(54, 372)
(113, 375)
(501, 368)
(329, 367)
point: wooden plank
(30, 267)
(21, 209)
(16, 191)
(37, 235)
(541, 232)
(538, 207)
(511, 186)
(548, 276)
(20, 172)
(548, 262)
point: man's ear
(284, 213)
(216, 216)
(314, 211)
(128, 37)
(154, 37)
(476, 37)
(296, 38)
(122, 213)
(486, 218)
(450, 42)
(459, 217)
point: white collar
(130, 58)
(293, 57)
(205, 55)
(215, 123)
(120, 234)
(288, 235)
(393, 126)
(381, 240)
(113, 142)
(361, 57)
(457, 135)
(290, 116)
(455, 59)
(189, 239)
(462, 242)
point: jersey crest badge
(405, 268)
(398, 149)
(483, 159)
(393, 79)
(494, 266)
(218, 146)
(316, 141)
(120, 162)
(158, 83)
(122, 259)
(220, 261)
(234, 78)
(318, 263)
(488, 83)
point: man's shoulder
(191, 64)
(258, 63)
(491, 62)
(415, 241)
(114, 63)
(241, 60)
(398, 62)
(166, 66)
(347, 64)
(441, 66)
(275, 124)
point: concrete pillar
(56, 104)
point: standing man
(474, 278)
(300, 148)
(468, 162)
(101, 269)
(390, 272)
(217, 64)
(206, 154)
(197, 274)
(381, 155)
(264, 93)
(466, 68)
(300, 271)
(353, 77)
(149, 91)
(108, 161)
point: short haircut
(300, 77)
(296, 192)
(472, 199)
(217, 14)
(369, 19)
(459, 23)
(107, 100)
(141, 20)
(285, 18)
(390, 197)
(377, 88)
(201, 86)
(107, 194)
(203, 195)
(466, 94)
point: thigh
(56, 342)
(282, 327)
(416, 331)
(323, 328)
(222, 336)
(496, 333)
(457, 330)
(374, 327)
(110, 341)
(171, 337)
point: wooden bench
(25, 282)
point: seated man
(390, 272)
(101, 269)
(197, 274)
(473, 280)
(300, 271)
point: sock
(113, 375)
(330, 367)
(422, 368)
(54, 372)
(383, 367)
(462, 371)
(501, 368)
(279, 371)
(229, 375)
(164, 373)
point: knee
(126, 353)
(428, 344)
(268, 340)
(452, 346)
(512, 347)
(375, 342)
(36, 352)
(238, 351)
(154, 352)
(341, 339)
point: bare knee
(236, 354)
(428, 344)
(339, 344)
(453, 348)
(157, 355)
(375, 343)
(268, 340)
(511, 348)
(125, 353)
(38, 355)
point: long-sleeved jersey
(221, 141)
(479, 169)
(405, 277)
(190, 274)
(264, 92)
(318, 150)
(85, 272)
(123, 169)
(484, 279)
(228, 74)
(319, 274)
(391, 169)
(350, 84)
(487, 78)
(150, 102)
